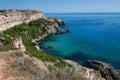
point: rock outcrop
(12, 18)
(58, 21)
(17, 43)
(89, 74)
(107, 71)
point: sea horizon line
(82, 12)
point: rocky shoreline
(58, 23)
(107, 71)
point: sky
(63, 6)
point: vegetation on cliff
(29, 32)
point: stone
(17, 43)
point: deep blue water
(92, 36)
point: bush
(2, 11)
(63, 74)
(20, 54)
(42, 56)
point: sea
(92, 36)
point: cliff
(11, 18)
(22, 30)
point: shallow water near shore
(92, 36)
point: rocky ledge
(58, 21)
(107, 71)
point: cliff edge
(9, 19)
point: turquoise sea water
(92, 36)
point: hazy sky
(60, 6)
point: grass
(19, 54)
(63, 74)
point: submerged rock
(47, 47)
(107, 71)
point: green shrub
(51, 68)
(19, 54)
(3, 48)
(2, 11)
(42, 56)
(8, 42)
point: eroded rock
(106, 70)
(12, 18)
(58, 21)
(17, 43)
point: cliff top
(10, 10)
(28, 12)
(10, 18)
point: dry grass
(15, 65)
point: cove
(93, 36)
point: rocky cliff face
(106, 70)
(12, 18)
(89, 74)
(17, 43)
